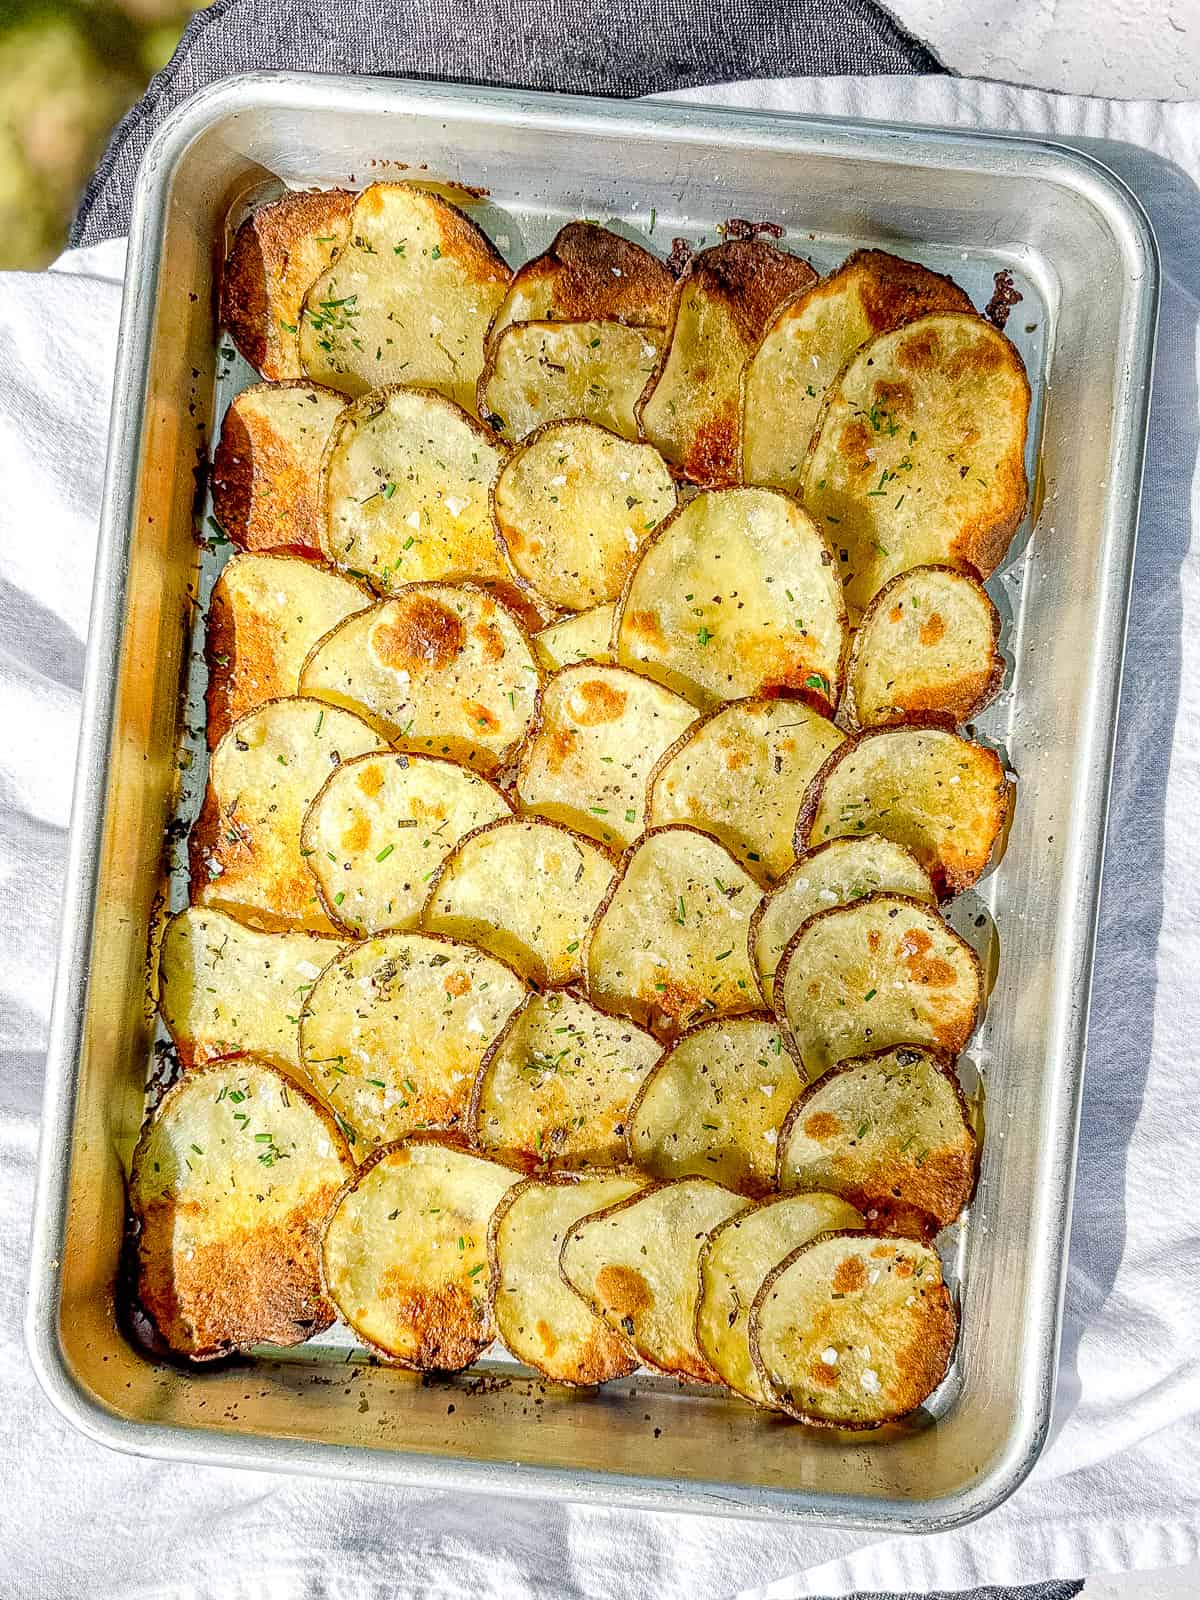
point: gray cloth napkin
(608, 47)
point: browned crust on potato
(955, 1040)
(455, 1335)
(256, 296)
(673, 1002)
(608, 1355)
(386, 755)
(241, 664)
(963, 700)
(262, 497)
(751, 278)
(926, 1360)
(752, 1190)
(596, 275)
(546, 1163)
(688, 1369)
(894, 290)
(947, 881)
(264, 1288)
(914, 1202)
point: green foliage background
(68, 70)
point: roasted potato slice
(277, 252)
(636, 1265)
(573, 505)
(736, 595)
(584, 637)
(883, 971)
(438, 670)
(851, 1331)
(558, 1082)
(892, 1134)
(245, 845)
(231, 1181)
(545, 371)
(926, 647)
(919, 456)
(381, 827)
(668, 946)
(405, 483)
(740, 774)
(715, 1102)
(408, 300)
(589, 274)
(266, 473)
(809, 340)
(266, 614)
(598, 733)
(394, 1029)
(725, 298)
(834, 874)
(543, 1322)
(225, 989)
(404, 1256)
(734, 1262)
(525, 890)
(941, 797)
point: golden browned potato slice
(584, 637)
(225, 989)
(245, 846)
(266, 614)
(393, 1031)
(598, 733)
(715, 1102)
(880, 972)
(408, 300)
(438, 670)
(725, 298)
(740, 774)
(277, 252)
(941, 797)
(734, 1263)
(668, 946)
(736, 595)
(851, 1331)
(377, 833)
(542, 1321)
(834, 874)
(926, 647)
(588, 274)
(231, 1181)
(636, 1264)
(525, 890)
(404, 1256)
(544, 371)
(405, 491)
(807, 343)
(920, 453)
(557, 1084)
(573, 505)
(266, 474)
(891, 1133)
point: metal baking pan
(1082, 254)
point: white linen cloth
(1118, 1486)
